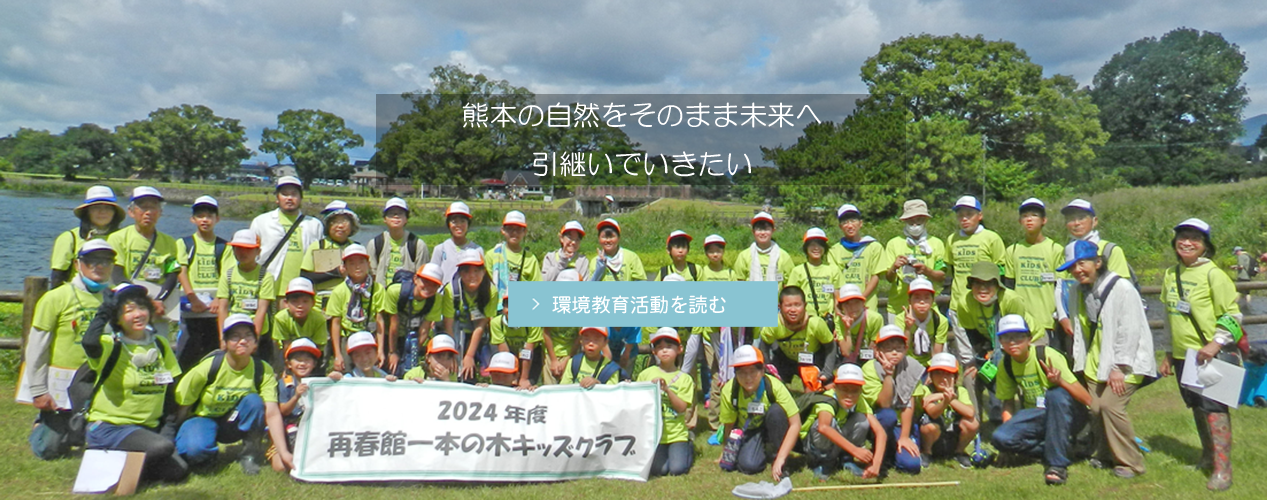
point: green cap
(984, 271)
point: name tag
(866, 354)
(778, 277)
(163, 377)
(1049, 277)
(250, 304)
(152, 274)
(525, 354)
(1040, 402)
(1183, 306)
(829, 288)
(805, 358)
(756, 408)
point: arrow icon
(535, 304)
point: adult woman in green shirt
(1202, 317)
(139, 369)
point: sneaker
(853, 468)
(821, 474)
(964, 461)
(925, 460)
(250, 466)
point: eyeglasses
(98, 262)
(249, 339)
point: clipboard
(325, 260)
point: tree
(1261, 143)
(1045, 124)
(185, 141)
(90, 149)
(314, 140)
(33, 151)
(1172, 105)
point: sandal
(1056, 475)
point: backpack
(605, 370)
(690, 267)
(383, 250)
(1039, 350)
(217, 360)
(1108, 250)
(806, 402)
(192, 246)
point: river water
(33, 220)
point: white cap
(1078, 204)
(361, 340)
(335, 205)
(847, 209)
(745, 356)
(503, 362)
(1012, 323)
(442, 343)
(515, 218)
(849, 292)
(458, 208)
(95, 245)
(236, 319)
(300, 285)
(676, 234)
(97, 194)
(431, 272)
(673, 277)
(814, 233)
(396, 203)
(470, 258)
(288, 180)
(849, 373)
(921, 284)
(1033, 202)
(245, 238)
(1194, 223)
(303, 345)
(890, 332)
(608, 222)
(714, 238)
(944, 361)
(206, 200)
(762, 216)
(145, 192)
(572, 226)
(568, 275)
(969, 202)
(665, 332)
(355, 249)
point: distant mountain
(1252, 127)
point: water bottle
(411, 351)
(730, 453)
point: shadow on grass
(1182, 452)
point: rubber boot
(1206, 463)
(1221, 437)
(250, 458)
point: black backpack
(191, 246)
(605, 370)
(411, 246)
(690, 267)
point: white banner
(373, 430)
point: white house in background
(525, 181)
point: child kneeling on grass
(302, 358)
(891, 380)
(768, 413)
(838, 430)
(676, 454)
(947, 420)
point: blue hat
(1078, 250)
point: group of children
(845, 384)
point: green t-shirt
(868, 326)
(1210, 294)
(708, 274)
(286, 329)
(736, 412)
(685, 272)
(245, 290)
(841, 414)
(563, 339)
(819, 284)
(792, 343)
(294, 252)
(130, 395)
(859, 267)
(397, 259)
(783, 269)
(935, 260)
(420, 372)
(130, 246)
(937, 335)
(520, 266)
(467, 306)
(961, 395)
(984, 245)
(441, 307)
(682, 385)
(985, 319)
(202, 268)
(587, 369)
(221, 395)
(1034, 269)
(630, 269)
(515, 338)
(310, 262)
(65, 313)
(66, 250)
(337, 308)
(1033, 381)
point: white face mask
(914, 231)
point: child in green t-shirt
(856, 325)
(441, 363)
(762, 410)
(355, 305)
(679, 245)
(817, 277)
(675, 455)
(245, 288)
(590, 367)
(1031, 270)
(202, 258)
(503, 371)
(804, 341)
(510, 260)
(303, 356)
(363, 350)
(843, 427)
(924, 324)
(560, 342)
(299, 320)
(947, 420)
(414, 316)
(520, 342)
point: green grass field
(1160, 419)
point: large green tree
(91, 149)
(314, 140)
(1172, 104)
(185, 141)
(31, 150)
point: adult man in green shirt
(284, 262)
(147, 257)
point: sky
(109, 62)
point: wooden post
(33, 287)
